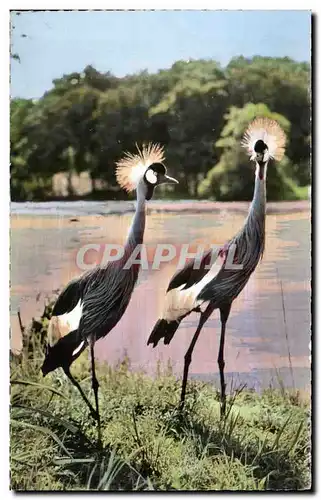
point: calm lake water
(268, 332)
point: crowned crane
(92, 304)
(216, 286)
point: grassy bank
(264, 442)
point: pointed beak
(260, 152)
(169, 180)
(259, 157)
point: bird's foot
(94, 414)
(223, 409)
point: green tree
(25, 181)
(88, 118)
(283, 85)
(193, 111)
(232, 178)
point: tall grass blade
(44, 430)
(92, 472)
(70, 427)
(115, 465)
(40, 386)
(296, 437)
(279, 434)
(72, 461)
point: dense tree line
(196, 109)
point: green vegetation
(263, 444)
(197, 110)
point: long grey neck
(135, 235)
(254, 229)
(258, 205)
(136, 232)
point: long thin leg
(225, 311)
(76, 384)
(95, 385)
(188, 356)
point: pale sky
(125, 42)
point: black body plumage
(90, 306)
(163, 330)
(61, 354)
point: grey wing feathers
(225, 287)
(105, 300)
(228, 283)
(69, 298)
(189, 276)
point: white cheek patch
(151, 177)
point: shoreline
(80, 208)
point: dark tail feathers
(163, 329)
(62, 353)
